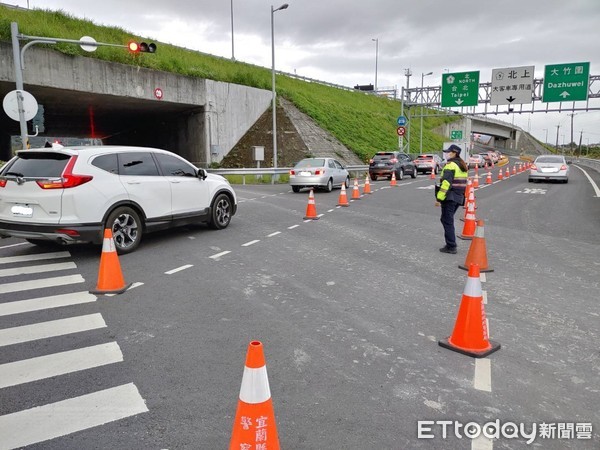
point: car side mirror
(202, 174)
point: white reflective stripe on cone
(255, 386)
(108, 245)
(473, 287)
(479, 232)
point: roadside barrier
(254, 425)
(470, 333)
(477, 253)
(343, 199)
(311, 208)
(110, 277)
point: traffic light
(141, 47)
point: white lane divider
(15, 245)
(41, 367)
(594, 185)
(274, 234)
(218, 255)
(53, 328)
(40, 284)
(71, 415)
(248, 244)
(178, 269)
(37, 304)
(36, 269)
(33, 257)
(293, 226)
(484, 295)
(482, 380)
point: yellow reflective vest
(453, 183)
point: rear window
(383, 156)
(313, 162)
(37, 165)
(550, 159)
(424, 157)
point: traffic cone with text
(367, 189)
(311, 208)
(470, 334)
(110, 277)
(355, 190)
(477, 253)
(469, 226)
(254, 425)
(343, 200)
(393, 182)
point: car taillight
(371, 161)
(533, 167)
(320, 172)
(292, 172)
(68, 232)
(393, 160)
(2, 183)
(67, 180)
(563, 167)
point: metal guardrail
(272, 171)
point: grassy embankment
(363, 123)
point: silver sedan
(324, 173)
(549, 167)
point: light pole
(232, 48)
(546, 130)
(376, 40)
(423, 75)
(284, 6)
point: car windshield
(550, 159)
(383, 156)
(311, 162)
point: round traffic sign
(402, 121)
(158, 93)
(401, 131)
(88, 48)
(11, 105)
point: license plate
(549, 170)
(305, 174)
(380, 165)
(22, 211)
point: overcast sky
(332, 40)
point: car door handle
(134, 182)
(175, 181)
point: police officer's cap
(453, 148)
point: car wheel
(414, 173)
(566, 181)
(373, 177)
(400, 174)
(329, 186)
(126, 229)
(347, 182)
(530, 180)
(220, 215)
(296, 189)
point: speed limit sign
(401, 131)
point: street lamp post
(232, 47)
(284, 6)
(423, 75)
(376, 40)
(546, 130)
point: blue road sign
(402, 121)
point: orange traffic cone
(393, 182)
(488, 179)
(468, 192)
(432, 176)
(500, 176)
(343, 200)
(367, 189)
(254, 425)
(514, 171)
(470, 334)
(110, 277)
(355, 190)
(470, 199)
(476, 181)
(469, 227)
(477, 253)
(311, 209)
(507, 173)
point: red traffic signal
(141, 47)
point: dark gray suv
(383, 164)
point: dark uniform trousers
(449, 208)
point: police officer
(451, 194)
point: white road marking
(594, 185)
(133, 286)
(36, 269)
(34, 257)
(320, 215)
(191, 237)
(274, 234)
(26, 333)
(15, 245)
(33, 369)
(482, 443)
(482, 380)
(330, 210)
(71, 415)
(484, 295)
(37, 304)
(248, 244)
(218, 255)
(293, 226)
(39, 284)
(482, 277)
(178, 269)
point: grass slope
(363, 123)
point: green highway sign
(460, 89)
(456, 134)
(566, 82)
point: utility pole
(557, 128)
(580, 138)
(572, 141)
(408, 74)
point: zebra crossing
(31, 277)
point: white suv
(69, 195)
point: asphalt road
(349, 308)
